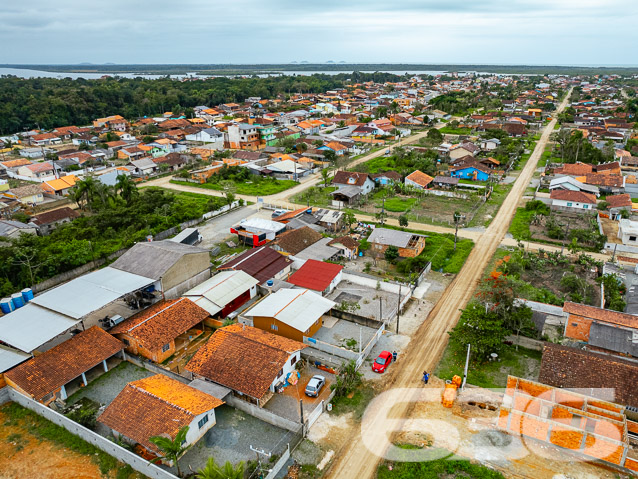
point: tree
(481, 328)
(84, 191)
(172, 449)
(302, 147)
(325, 175)
(330, 156)
(391, 253)
(403, 221)
(212, 470)
(347, 380)
(126, 188)
(435, 136)
(230, 197)
(349, 218)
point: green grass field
(262, 188)
(398, 205)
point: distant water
(25, 73)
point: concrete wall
(189, 283)
(542, 307)
(135, 461)
(331, 349)
(526, 342)
(263, 414)
(159, 370)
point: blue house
(387, 178)
(470, 171)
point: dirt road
(428, 344)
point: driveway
(232, 436)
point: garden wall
(124, 455)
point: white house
(578, 200)
(491, 144)
(209, 135)
(569, 183)
(628, 232)
(160, 406)
(351, 178)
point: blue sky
(550, 32)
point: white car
(314, 386)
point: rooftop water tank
(27, 294)
(18, 302)
(6, 305)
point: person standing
(394, 356)
(426, 377)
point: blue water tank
(6, 305)
(27, 294)
(269, 283)
(18, 302)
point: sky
(531, 32)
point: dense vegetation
(49, 103)
(402, 161)
(436, 469)
(114, 223)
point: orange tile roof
(16, 163)
(154, 406)
(161, 323)
(49, 371)
(618, 201)
(604, 315)
(243, 358)
(575, 196)
(419, 178)
(60, 184)
(579, 169)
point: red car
(382, 362)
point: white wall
(287, 369)
(194, 432)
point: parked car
(382, 362)
(314, 386)
(277, 213)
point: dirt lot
(575, 221)
(23, 455)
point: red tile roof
(420, 178)
(604, 315)
(243, 358)
(154, 406)
(47, 372)
(162, 323)
(295, 241)
(350, 178)
(573, 196)
(575, 169)
(618, 201)
(315, 275)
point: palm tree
(126, 188)
(84, 190)
(172, 449)
(212, 470)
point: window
(585, 206)
(632, 238)
(166, 347)
(569, 204)
(280, 373)
(126, 341)
(274, 327)
(293, 360)
(202, 421)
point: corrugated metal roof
(384, 236)
(11, 357)
(319, 251)
(31, 326)
(90, 292)
(214, 389)
(298, 308)
(216, 292)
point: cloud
(253, 31)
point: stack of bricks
(590, 427)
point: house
(418, 179)
(445, 182)
(291, 313)
(243, 137)
(471, 170)
(176, 266)
(143, 167)
(607, 184)
(348, 246)
(568, 200)
(48, 221)
(249, 361)
(27, 195)
(320, 251)
(351, 178)
(572, 368)
(46, 376)
(568, 183)
(317, 276)
(10, 358)
(224, 293)
(346, 196)
(491, 144)
(159, 331)
(628, 232)
(159, 406)
(387, 178)
(490, 163)
(574, 169)
(37, 171)
(329, 219)
(13, 229)
(409, 245)
(618, 203)
(208, 135)
(463, 149)
(295, 241)
(262, 263)
(257, 231)
(602, 328)
(60, 186)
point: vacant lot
(33, 447)
(261, 188)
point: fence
(263, 414)
(133, 460)
(373, 341)
(331, 349)
(154, 368)
(279, 464)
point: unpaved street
(428, 344)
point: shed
(224, 293)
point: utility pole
(457, 218)
(399, 308)
(380, 310)
(467, 363)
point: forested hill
(47, 103)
